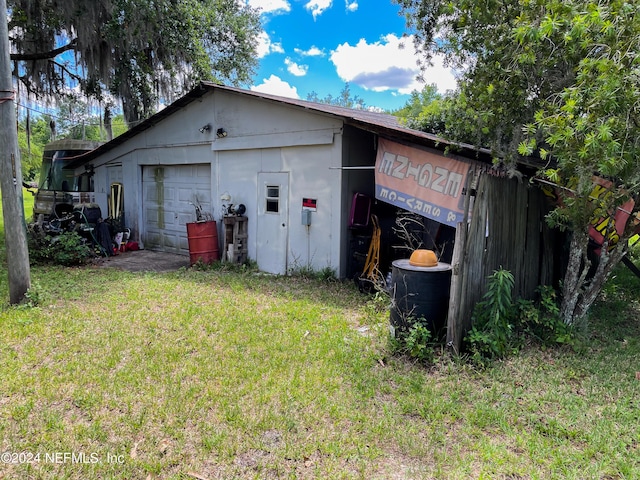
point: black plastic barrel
(420, 294)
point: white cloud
(317, 7)
(276, 86)
(266, 46)
(389, 64)
(352, 6)
(270, 6)
(312, 52)
(296, 69)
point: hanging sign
(421, 182)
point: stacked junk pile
(60, 213)
(202, 235)
(65, 203)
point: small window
(272, 206)
(273, 199)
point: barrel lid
(404, 264)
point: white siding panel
(168, 194)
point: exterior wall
(266, 138)
(318, 245)
(175, 140)
(309, 177)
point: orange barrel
(203, 241)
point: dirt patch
(145, 261)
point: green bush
(492, 335)
(70, 249)
(501, 325)
(541, 320)
(67, 249)
(416, 343)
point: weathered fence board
(507, 230)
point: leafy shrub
(68, 249)
(501, 325)
(38, 245)
(492, 335)
(416, 343)
(541, 320)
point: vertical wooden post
(15, 231)
(454, 322)
(453, 316)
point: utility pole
(15, 229)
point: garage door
(168, 194)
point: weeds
(492, 335)
(249, 266)
(417, 343)
(326, 274)
(501, 326)
(35, 295)
(541, 320)
(66, 249)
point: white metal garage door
(168, 194)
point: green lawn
(221, 375)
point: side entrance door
(272, 235)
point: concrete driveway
(145, 261)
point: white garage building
(269, 153)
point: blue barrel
(420, 294)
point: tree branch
(45, 55)
(66, 70)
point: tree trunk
(107, 123)
(578, 292)
(15, 230)
(131, 112)
(608, 261)
(577, 268)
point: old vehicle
(59, 190)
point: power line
(73, 124)
(51, 114)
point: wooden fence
(506, 230)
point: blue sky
(318, 45)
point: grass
(221, 375)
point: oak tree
(140, 51)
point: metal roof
(380, 123)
